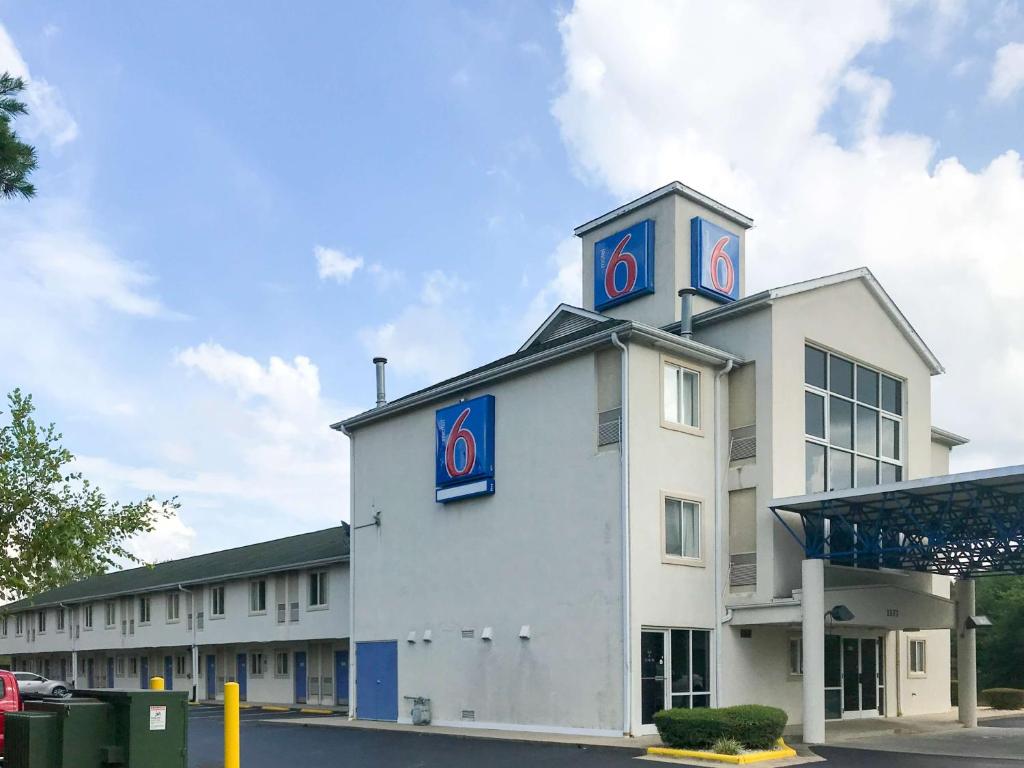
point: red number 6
(459, 433)
(719, 256)
(620, 256)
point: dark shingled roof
(277, 555)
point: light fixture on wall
(840, 613)
(487, 634)
(524, 632)
(428, 636)
(973, 622)
(411, 638)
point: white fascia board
(948, 438)
(672, 188)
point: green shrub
(752, 725)
(1004, 698)
(954, 693)
(727, 747)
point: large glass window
(853, 424)
(675, 670)
(682, 528)
(681, 396)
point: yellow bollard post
(156, 683)
(231, 746)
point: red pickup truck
(10, 700)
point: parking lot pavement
(1003, 722)
(845, 757)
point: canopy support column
(966, 655)
(813, 572)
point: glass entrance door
(652, 674)
(860, 676)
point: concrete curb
(781, 753)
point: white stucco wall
(543, 551)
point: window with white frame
(173, 606)
(19, 625)
(258, 596)
(119, 666)
(257, 664)
(281, 664)
(60, 619)
(3, 626)
(853, 423)
(680, 395)
(217, 601)
(41, 621)
(179, 666)
(133, 666)
(796, 656)
(318, 589)
(111, 613)
(918, 664)
(144, 610)
(87, 616)
(682, 529)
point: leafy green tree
(1001, 646)
(17, 159)
(55, 526)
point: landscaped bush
(1003, 698)
(754, 726)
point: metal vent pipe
(382, 398)
(686, 312)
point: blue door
(341, 677)
(241, 677)
(211, 677)
(168, 673)
(377, 680)
(110, 673)
(300, 677)
(144, 672)
(89, 673)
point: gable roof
(672, 188)
(765, 298)
(566, 319)
(304, 550)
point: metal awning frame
(956, 525)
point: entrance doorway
(854, 677)
(675, 671)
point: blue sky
(169, 308)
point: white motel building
(677, 495)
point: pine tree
(17, 159)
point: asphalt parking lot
(269, 741)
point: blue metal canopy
(967, 524)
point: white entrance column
(74, 669)
(813, 599)
(966, 655)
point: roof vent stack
(379, 363)
(686, 312)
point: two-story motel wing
(272, 616)
(582, 533)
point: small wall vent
(468, 634)
(609, 427)
(469, 714)
(742, 443)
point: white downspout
(719, 504)
(627, 645)
(195, 648)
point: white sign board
(158, 718)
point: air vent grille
(609, 426)
(468, 634)
(469, 714)
(743, 569)
(742, 443)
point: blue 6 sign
(624, 265)
(464, 449)
(714, 260)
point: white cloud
(1007, 72)
(385, 277)
(428, 338)
(565, 286)
(332, 264)
(170, 538)
(47, 116)
(641, 106)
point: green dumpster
(150, 727)
(31, 740)
(85, 733)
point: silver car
(36, 685)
